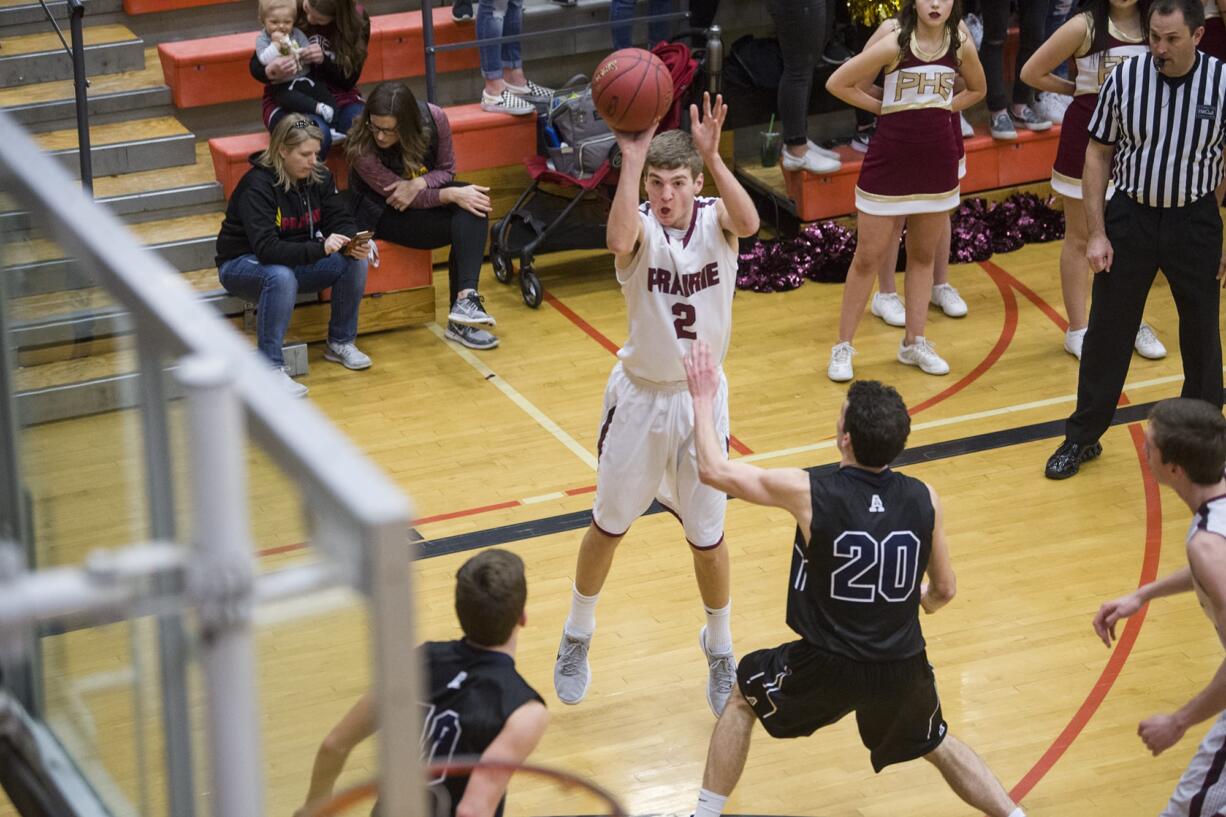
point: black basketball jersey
(854, 589)
(471, 692)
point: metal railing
(360, 518)
(76, 20)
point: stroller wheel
(530, 287)
(503, 268)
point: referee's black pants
(1186, 243)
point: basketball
(632, 89)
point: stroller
(538, 222)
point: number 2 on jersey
(685, 316)
(871, 569)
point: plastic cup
(772, 146)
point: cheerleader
(911, 168)
(1213, 41)
(1101, 36)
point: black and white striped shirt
(1168, 133)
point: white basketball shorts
(646, 451)
(1202, 789)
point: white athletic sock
(582, 619)
(1017, 812)
(710, 804)
(719, 632)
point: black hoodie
(282, 226)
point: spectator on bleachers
(301, 93)
(623, 33)
(800, 27)
(286, 231)
(1006, 118)
(507, 90)
(339, 34)
(402, 179)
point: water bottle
(715, 59)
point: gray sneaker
(1001, 125)
(1030, 118)
(721, 675)
(470, 311)
(470, 336)
(572, 673)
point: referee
(1157, 133)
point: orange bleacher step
(989, 164)
(400, 268)
(482, 140)
(213, 70)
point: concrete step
(125, 147)
(25, 17)
(31, 58)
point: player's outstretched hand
(634, 145)
(701, 373)
(706, 130)
(1111, 612)
(1160, 733)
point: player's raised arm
(786, 488)
(737, 213)
(624, 230)
(519, 736)
(942, 585)
(1207, 563)
(356, 726)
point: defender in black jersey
(865, 537)
(477, 705)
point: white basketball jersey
(678, 288)
(1210, 517)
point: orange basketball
(632, 89)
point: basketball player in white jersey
(676, 258)
(1185, 447)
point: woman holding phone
(287, 231)
(402, 178)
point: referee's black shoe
(1069, 457)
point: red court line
(1007, 330)
(596, 335)
(1034, 298)
(586, 489)
(1123, 647)
(497, 506)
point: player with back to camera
(865, 535)
(476, 702)
(675, 257)
(1185, 449)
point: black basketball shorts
(796, 689)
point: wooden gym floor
(498, 448)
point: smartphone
(364, 235)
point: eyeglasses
(378, 131)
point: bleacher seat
(400, 268)
(482, 140)
(213, 70)
(151, 6)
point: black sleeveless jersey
(471, 693)
(854, 589)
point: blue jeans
(274, 289)
(342, 121)
(657, 30)
(499, 18)
(1061, 12)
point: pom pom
(872, 13)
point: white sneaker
(1053, 106)
(967, 130)
(291, 386)
(1073, 339)
(1147, 343)
(572, 674)
(810, 162)
(821, 151)
(839, 369)
(531, 91)
(506, 102)
(923, 355)
(889, 307)
(721, 675)
(951, 303)
(346, 354)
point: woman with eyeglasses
(339, 35)
(287, 231)
(402, 179)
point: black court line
(507, 534)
